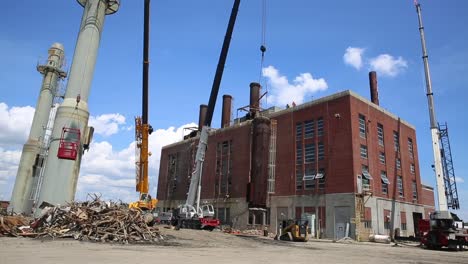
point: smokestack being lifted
(254, 98)
(374, 91)
(202, 116)
(226, 114)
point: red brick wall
(240, 169)
(427, 197)
(373, 118)
(337, 143)
(342, 161)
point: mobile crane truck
(192, 214)
(440, 230)
(142, 132)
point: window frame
(382, 158)
(320, 126)
(362, 126)
(363, 151)
(380, 134)
(309, 129)
(400, 186)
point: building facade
(341, 162)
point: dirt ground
(193, 246)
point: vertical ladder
(272, 158)
(448, 169)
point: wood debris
(95, 220)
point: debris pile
(10, 225)
(95, 221)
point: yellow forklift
(293, 230)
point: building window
(387, 225)
(403, 226)
(309, 129)
(415, 191)
(362, 126)
(385, 182)
(367, 224)
(224, 216)
(223, 167)
(366, 177)
(410, 148)
(380, 134)
(309, 178)
(412, 168)
(299, 131)
(298, 153)
(320, 127)
(382, 157)
(400, 186)
(309, 152)
(363, 152)
(321, 178)
(321, 151)
(398, 164)
(396, 141)
(299, 177)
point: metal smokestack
(226, 114)
(52, 72)
(202, 116)
(254, 98)
(374, 89)
(61, 175)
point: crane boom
(195, 182)
(442, 199)
(142, 128)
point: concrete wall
(379, 205)
(301, 203)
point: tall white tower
(52, 72)
(71, 132)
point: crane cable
(263, 47)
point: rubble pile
(9, 225)
(95, 221)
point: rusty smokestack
(374, 91)
(202, 116)
(226, 114)
(254, 98)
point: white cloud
(9, 160)
(15, 123)
(112, 173)
(103, 170)
(107, 124)
(282, 92)
(387, 65)
(353, 57)
(459, 180)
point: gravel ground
(193, 246)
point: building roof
(336, 96)
(276, 111)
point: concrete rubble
(95, 221)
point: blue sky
(306, 43)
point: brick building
(342, 162)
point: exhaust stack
(31, 161)
(254, 98)
(202, 116)
(71, 122)
(374, 89)
(226, 114)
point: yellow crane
(143, 130)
